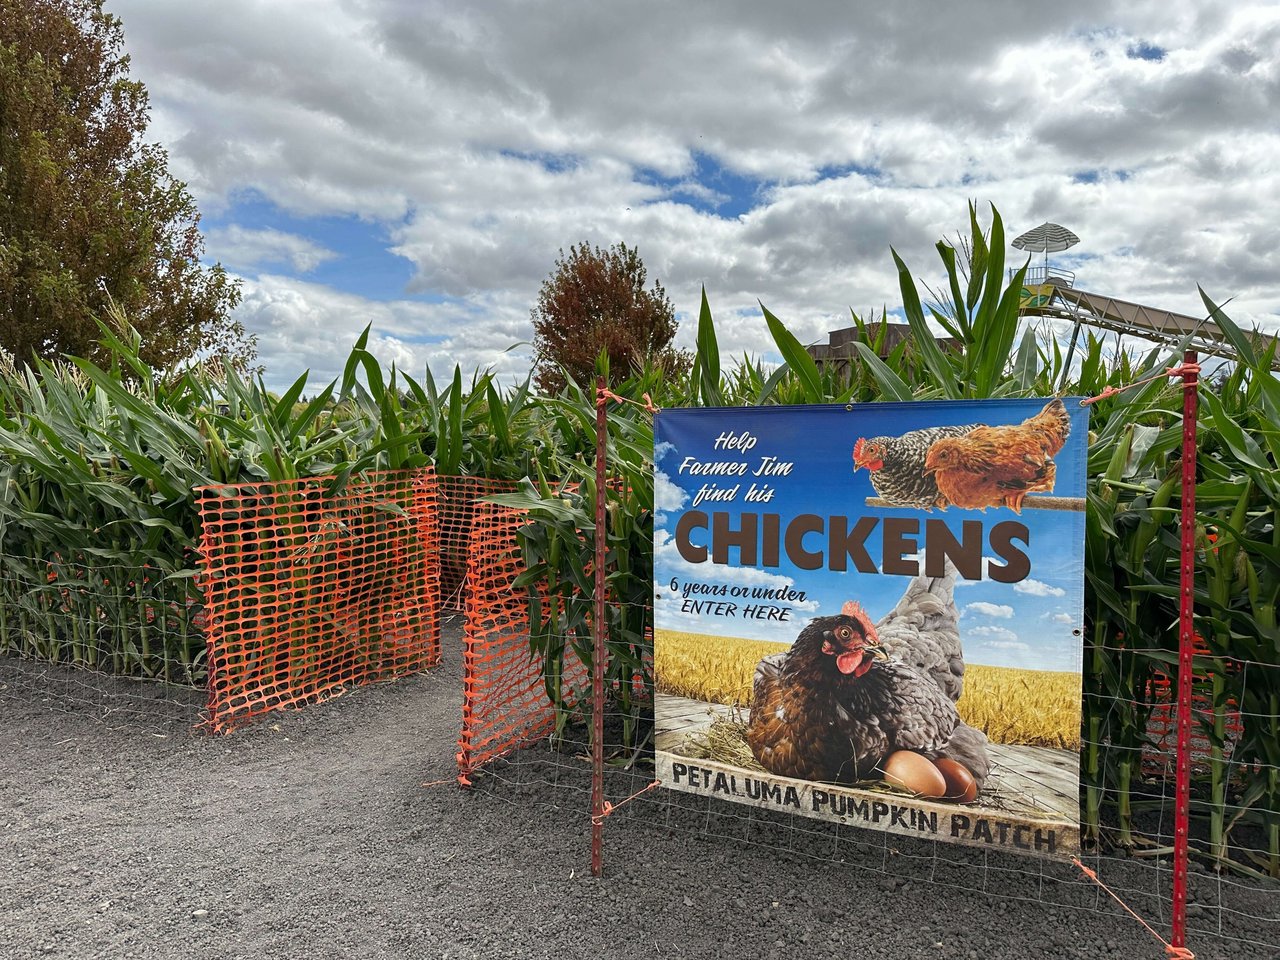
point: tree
(596, 300)
(89, 214)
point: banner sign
(872, 614)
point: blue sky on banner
(1026, 624)
(417, 166)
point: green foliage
(88, 211)
(99, 466)
(97, 516)
(559, 553)
(595, 303)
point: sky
(418, 166)
(802, 457)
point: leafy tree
(89, 214)
(595, 300)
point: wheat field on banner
(1038, 708)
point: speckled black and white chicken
(896, 465)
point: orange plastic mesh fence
(1160, 755)
(458, 496)
(308, 592)
(505, 697)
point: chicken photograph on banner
(873, 614)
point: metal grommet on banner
(848, 407)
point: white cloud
(982, 608)
(666, 494)
(1060, 618)
(241, 248)
(992, 636)
(1007, 645)
(303, 325)
(1036, 588)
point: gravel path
(125, 834)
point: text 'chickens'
(760, 539)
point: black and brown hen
(835, 705)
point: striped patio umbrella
(1046, 238)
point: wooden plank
(1033, 501)
(677, 719)
(969, 824)
(1036, 787)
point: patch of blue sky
(1098, 174)
(1145, 51)
(843, 170)
(711, 188)
(363, 264)
(550, 162)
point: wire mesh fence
(98, 613)
(112, 700)
(308, 593)
(1126, 772)
(62, 618)
(1230, 913)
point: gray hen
(923, 630)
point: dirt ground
(126, 834)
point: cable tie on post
(604, 393)
(610, 807)
(1106, 394)
(604, 812)
(1183, 370)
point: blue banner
(873, 613)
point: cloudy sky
(419, 165)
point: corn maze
(207, 544)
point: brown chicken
(999, 466)
(836, 704)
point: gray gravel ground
(127, 834)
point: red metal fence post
(597, 637)
(1186, 645)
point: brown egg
(961, 787)
(915, 773)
